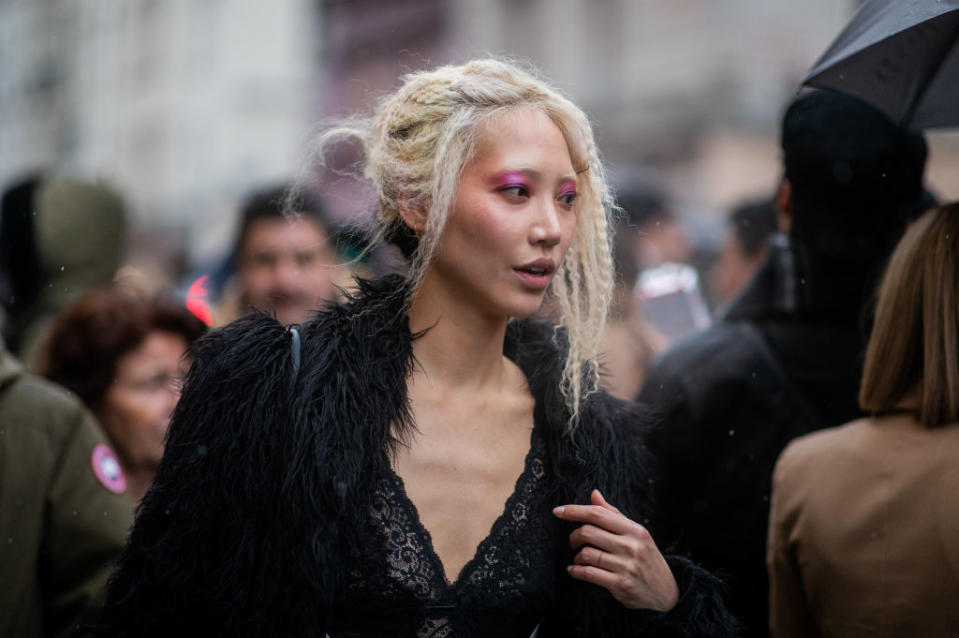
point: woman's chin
(524, 308)
(503, 301)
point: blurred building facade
(181, 105)
(186, 106)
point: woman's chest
(458, 485)
(505, 586)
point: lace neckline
(439, 569)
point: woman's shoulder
(848, 456)
(803, 455)
(539, 348)
(630, 418)
(849, 441)
(369, 306)
(240, 348)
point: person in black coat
(786, 356)
(421, 460)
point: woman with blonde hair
(348, 476)
(864, 528)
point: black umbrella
(901, 56)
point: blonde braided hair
(417, 143)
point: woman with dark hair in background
(122, 354)
(864, 528)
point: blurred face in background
(287, 268)
(664, 240)
(733, 269)
(136, 409)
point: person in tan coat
(864, 527)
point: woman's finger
(597, 498)
(596, 515)
(598, 558)
(597, 537)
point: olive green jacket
(61, 527)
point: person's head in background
(123, 354)
(628, 344)
(852, 180)
(912, 361)
(285, 259)
(650, 228)
(59, 238)
(744, 247)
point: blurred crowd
(745, 352)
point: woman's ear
(414, 218)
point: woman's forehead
(523, 137)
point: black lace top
(396, 581)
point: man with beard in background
(284, 257)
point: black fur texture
(259, 486)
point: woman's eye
(568, 197)
(517, 190)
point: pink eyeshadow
(511, 178)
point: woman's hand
(619, 555)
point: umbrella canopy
(902, 57)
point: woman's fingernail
(559, 510)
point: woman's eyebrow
(530, 173)
(536, 175)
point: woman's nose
(546, 227)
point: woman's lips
(536, 275)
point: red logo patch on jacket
(107, 469)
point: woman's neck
(462, 348)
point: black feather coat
(263, 477)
